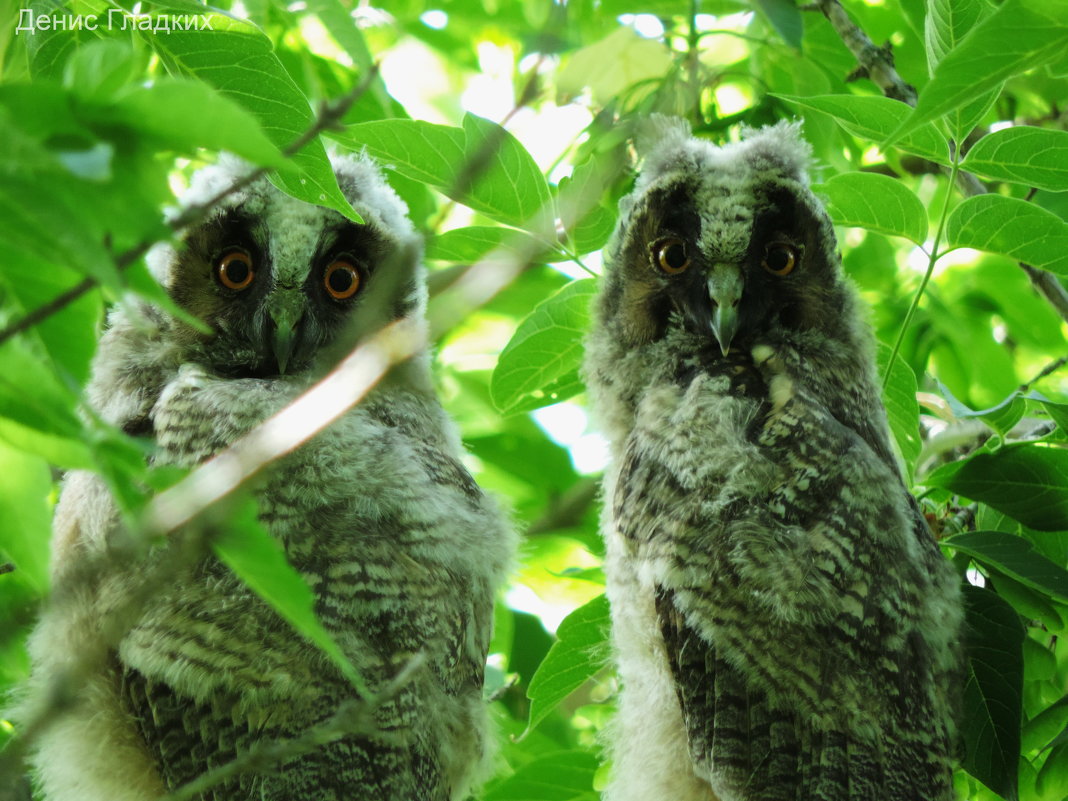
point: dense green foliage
(99, 112)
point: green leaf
(510, 187)
(902, 410)
(581, 650)
(419, 150)
(784, 18)
(992, 692)
(30, 211)
(615, 66)
(561, 776)
(1002, 418)
(1019, 35)
(1023, 155)
(1053, 777)
(1012, 228)
(1016, 557)
(1044, 726)
(259, 560)
(236, 58)
(470, 244)
(184, 115)
(876, 202)
(482, 166)
(546, 347)
(1026, 482)
(875, 118)
(25, 514)
(946, 24)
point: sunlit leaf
(876, 202)
(185, 115)
(581, 650)
(562, 776)
(236, 58)
(472, 243)
(546, 347)
(1010, 227)
(1023, 155)
(1018, 36)
(25, 515)
(614, 66)
(875, 118)
(902, 410)
(481, 165)
(785, 18)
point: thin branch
(330, 115)
(1049, 369)
(878, 64)
(354, 716)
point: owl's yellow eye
(234, 270)
(342, 279)
(779, 259)
(671, 256)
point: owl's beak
(725, 293)
(286, 317)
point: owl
(784, 623)
(402, 550)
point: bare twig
(878, 64)
(1049, 369)
(355, 716)
(329, 116)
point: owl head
(276, 279)
(726, 242)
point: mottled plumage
(401, 548)
(785, 625)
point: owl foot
(780, 386)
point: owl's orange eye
(671, 256)
(779, 259)
(342, 279)
(234, 270)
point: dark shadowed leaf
(1015, 556)
(1026, 482)
(992, 691)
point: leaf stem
(933, 255)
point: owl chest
(704, 454)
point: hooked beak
(725, 293)
(718, 309)
(286, 314)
